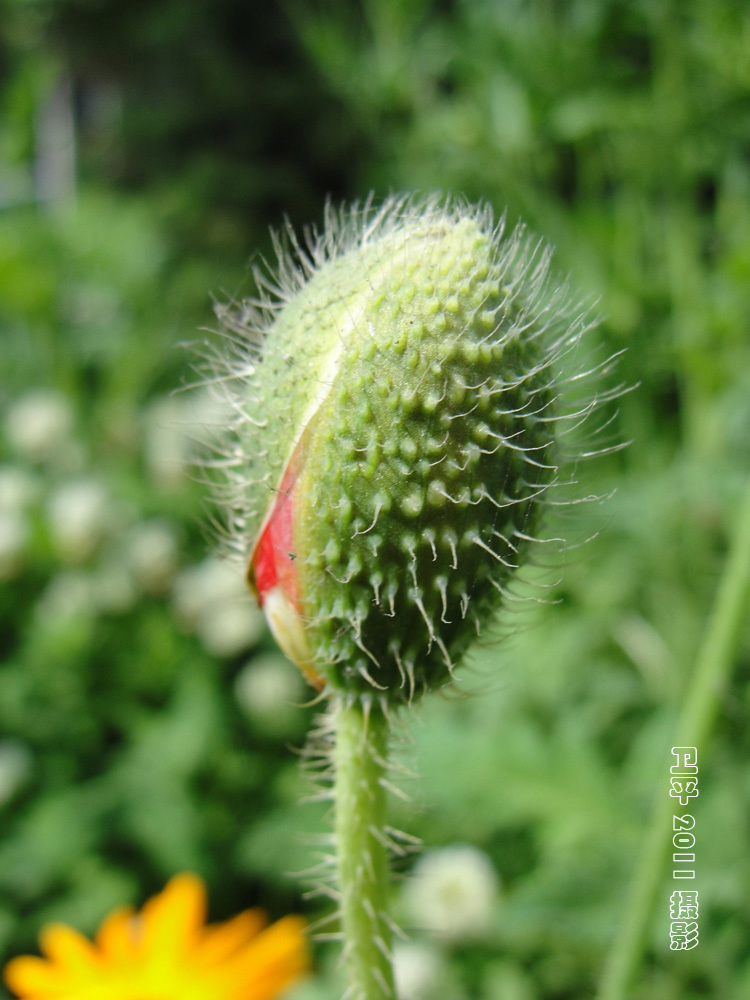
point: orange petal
(32, 977)
(222, 941)
(115, 938)
(69, 949)
(274, 960)
(172, 920)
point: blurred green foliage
(134, 742)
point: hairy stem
(698, 713)
(360, 751)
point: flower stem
(360, 751)
(699, 711)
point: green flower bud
(395, 401)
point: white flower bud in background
(419, 971)
(211, 600)
(152, 555)
(18, 491)
(269, 690)
(175, 428)
(452, 893)
(79, 594)
(165, 445)
(80, 514)
(14, 533)
(71, 594)
(38, 425)
(15, 768)
(231, 628)
(18, 488)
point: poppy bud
(394, 438)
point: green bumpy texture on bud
(402, 367)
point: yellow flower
(167, 952)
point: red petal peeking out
(273, 561)
(272, 575)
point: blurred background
(147, 722)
